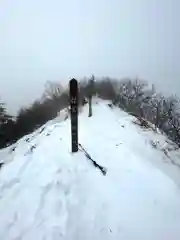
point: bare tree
(157, 109)
(105, 88)
(53, 90)
(132, 95)
(172, 116)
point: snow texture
(48, 193)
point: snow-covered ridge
(48, 193)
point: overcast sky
(44, 40)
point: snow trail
(48, 193)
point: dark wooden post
(90, 94)
(73, 86)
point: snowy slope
(48, 193)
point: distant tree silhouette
(133, 96)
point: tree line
(134, 96)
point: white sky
(56, 40)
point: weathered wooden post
(90, 94)
(73, 90)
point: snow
(46, 192)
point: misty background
(57, 40)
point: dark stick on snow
(31, 149)
(102, 169)
(41, 130)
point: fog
(56, 40)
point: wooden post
(90, 94)
(73, 86)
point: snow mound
(48, 193)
